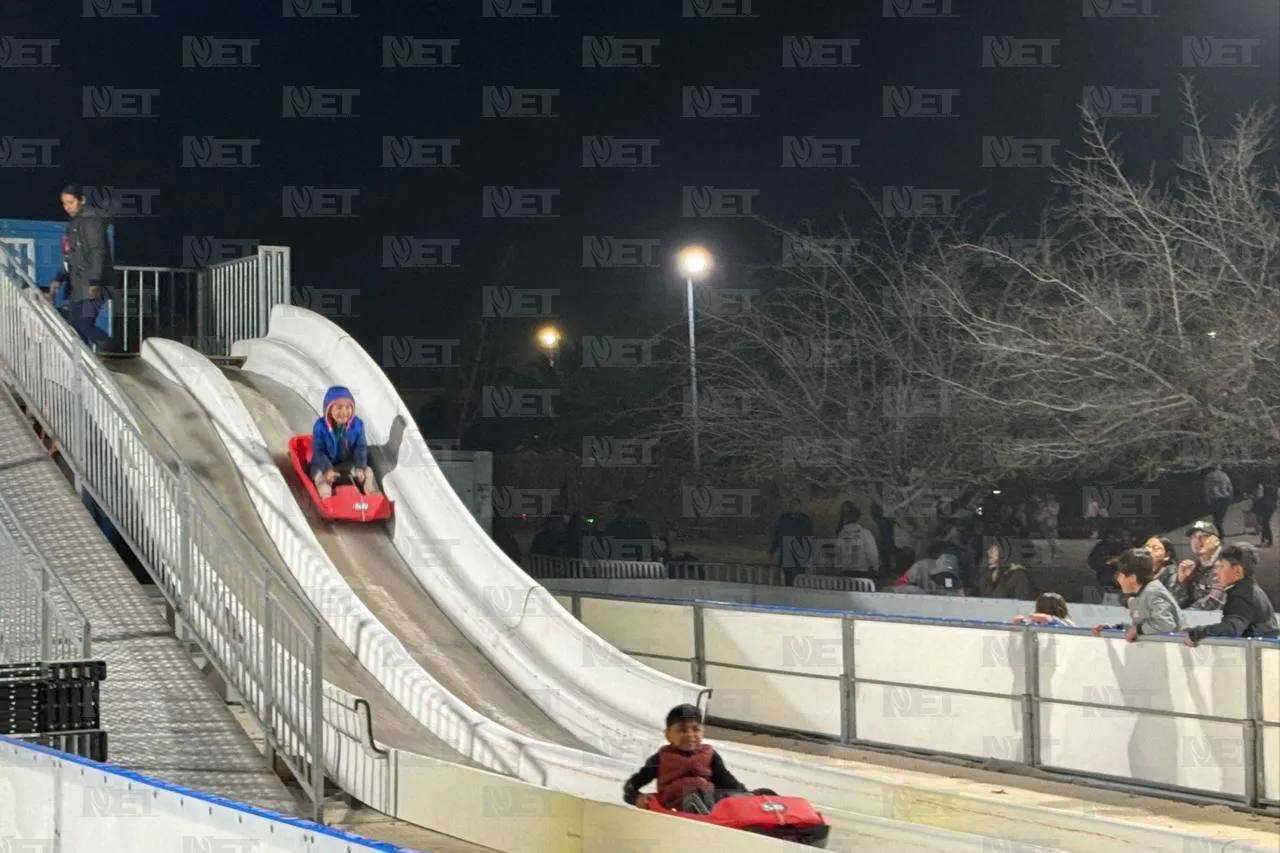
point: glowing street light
(695, 264)
(549, 338)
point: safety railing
(39, 621)
(264, 639)
(544, 567)
(1202, 722)
(207, 309)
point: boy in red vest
(691, 775)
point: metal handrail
(56, 603)
(243, 614)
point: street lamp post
(695, 265)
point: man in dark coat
(87, 267)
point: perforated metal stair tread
(162, 716)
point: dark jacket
(87, 261)
(678, 773)
(793, 540)
(332, 445)
(1012, 581)
(1247, 612)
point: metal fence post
(848, 691)
(184, 591)
(699, 647)
(1254, 757)
(46, 635)
(1030, 697)
(317, 725)
(269, 673)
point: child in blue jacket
(338, 445)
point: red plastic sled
(785, 818)
(347, 503)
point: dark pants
(82, 314)
(1219, 507)
(1264, 513)
(698, 801)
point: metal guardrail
(208, 309)
(264, 639)
(543, 567)
(1027, 652)
(39, 621)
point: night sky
(811, 69)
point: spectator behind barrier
(1051, 610)
(1194, 584)
(1151, 604)
(1247, 612)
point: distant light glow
(694, 262)
(549, 337)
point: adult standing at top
(1218, 494)
(87, 266)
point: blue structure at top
(40, 243)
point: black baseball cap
(680, 713)
(1202, 527)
